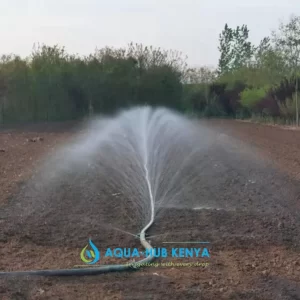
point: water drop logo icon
(90, 256)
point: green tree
(287, 42)
(235, 49)
(200, 75)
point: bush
(288, 107)
(251, 97)
(213, 108)
(194, 98)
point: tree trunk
(297, 107)
(91, 108)
(1, 109)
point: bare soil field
(250, 181)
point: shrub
(288, 107)
(251, 97)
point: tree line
(52, 85)
(258, 81)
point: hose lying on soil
(92, 270)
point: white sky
(190, 26)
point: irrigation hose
(93, 270)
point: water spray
(102, 268)
(156, 144)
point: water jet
(143, 154)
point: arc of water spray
(106, 268)
(182, 165)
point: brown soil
(281, 143)
(250, 178)
(19, 154)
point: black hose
(92, 270)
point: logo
(90, 256)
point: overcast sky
(190, 26)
